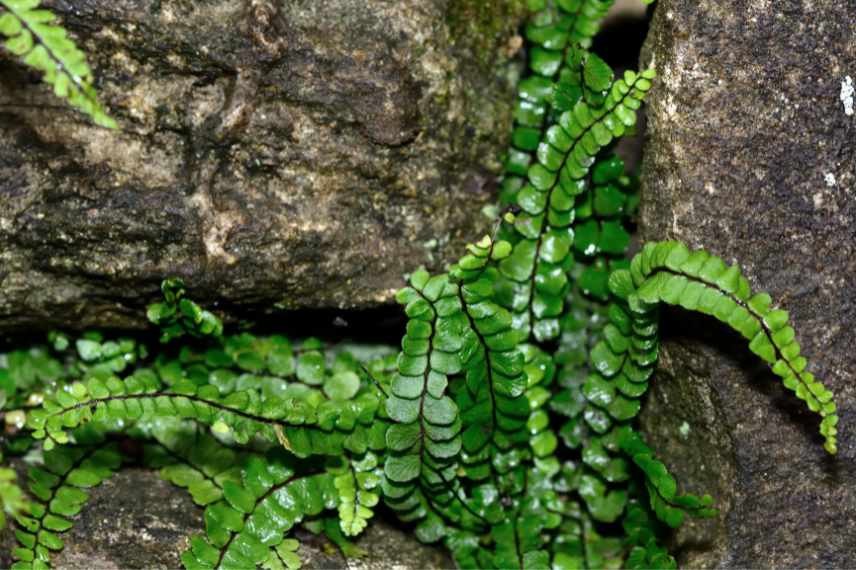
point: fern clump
(503, 428)
(33, 35)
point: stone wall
(275, 155)
(750, 154)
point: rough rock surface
(751, 155)
(137, 520)
(293, 153)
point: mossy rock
(275, 155)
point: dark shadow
(620, 40)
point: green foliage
(177, 315)
(34, 36)
(58, 491)
(247, 527)
(357, 486)
(504, 428)
(12, 498)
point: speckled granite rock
(137, 520)
(294, 153)
(751, 154)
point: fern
(177, 315)
(357, 485)
(503, 428)
(245, 529)
(58, 491)
(668, 272)
(301, 426)
(537, 267)
(12, 499)
(195, 461)
(33, 35)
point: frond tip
(34, 36)
(668, 272)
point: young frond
(357, 483)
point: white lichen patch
(684, 430)
(846, 95)
(830, 179)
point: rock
(751, 156)
(137, 520)
(275, 155)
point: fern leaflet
(33, 35)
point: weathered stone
(292, 154)
(137, 520)
(751, 156)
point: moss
(480, 26)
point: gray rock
(276, 155)
(751, 156)
(137, 520)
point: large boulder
(292, 154)
(751, 155)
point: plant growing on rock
(504, 427)
(33, 35)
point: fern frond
(493, 407)
(248, 526)
(304, 426)
(537, 267)
(425, 439)
(33, 36)
(662, 487)
(196, 462)
(12, 500)
(356, 483)
(623, 361)
(178, 315)
(58, 491)
(558, 36)
(667, 272)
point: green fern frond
(537, 267)
(303, 425)
(662, 487)
(248, 527)
(12, 499)
(178, 315)
(197, 462)
(357, 484)
(58, 491)
(425, 439)
(623, 361)
(33, 36)
(493, 407)
(667, 272)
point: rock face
(751, 156)
(137, 520)
(294, 153)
